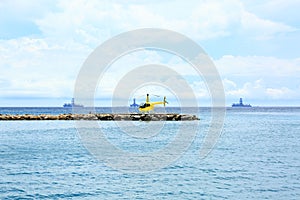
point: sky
(254, 45)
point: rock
(154, 118)
(104, 117)
(125, 117)
(89, 117)
(186, 118)
(177, 117)
(135, 117)
(117, 118)
(145, 117)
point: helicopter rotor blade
(143, 95)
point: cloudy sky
(253, 43)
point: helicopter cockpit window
(144, 105)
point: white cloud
(281, 93)
(255, 77)
(34, 68)
(261, 66)
(228, 84)
(205, 19)
(278, 10)
(49, 62)
(261, 28)
(259, 90)
(249, 89)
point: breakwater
(103, 117)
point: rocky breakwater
(103, 117)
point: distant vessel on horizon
(241, 104)
(134, 104)
(72, 104)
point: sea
(256, 156)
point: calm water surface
(257, 157)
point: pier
(103, 117)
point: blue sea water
(256, 157)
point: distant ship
(72, 104)
(241, 104)
(134, 104)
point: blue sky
(254, 45)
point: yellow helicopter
(149, 106)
